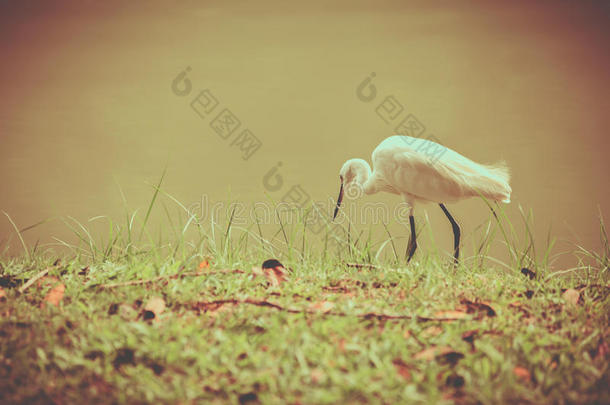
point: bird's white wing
(409, 167)
(410, 173)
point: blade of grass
(152, 203)
(25, 247)
(391, 242)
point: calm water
(89, 109)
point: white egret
(404, 165)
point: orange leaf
(275, 276)
(55, 295)
(204, 264)
(342, 345)
(402, 369)
(522, 373)
(274, 271)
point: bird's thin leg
(494, 211)
(456, 233)
(412, 239)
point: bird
(423, 171)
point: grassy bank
(201, 322)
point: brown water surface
(87, 106)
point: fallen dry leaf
(571, 296)
(274, 271)
(127, 312)
(55, 295)
(153, 308)
(521, 307)
(402, 369)
(444, 354)
(275, 276)
(204, 264)
(470, 335)
(342, 345)
(432, 331)
(213, 308)
(337, 289)
(47, 281)
(322, 306)
(522, 373)
(451, 357)
(451, 314)
(516, 304)
(479, 308)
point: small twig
(262, 303)
(171, 277)
(362, 265)
(33, 280)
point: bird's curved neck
(365, 180)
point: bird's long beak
(338, 201)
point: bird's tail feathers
(499, 170)
(499, 175)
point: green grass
(517, 340)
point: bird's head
(352, 171)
